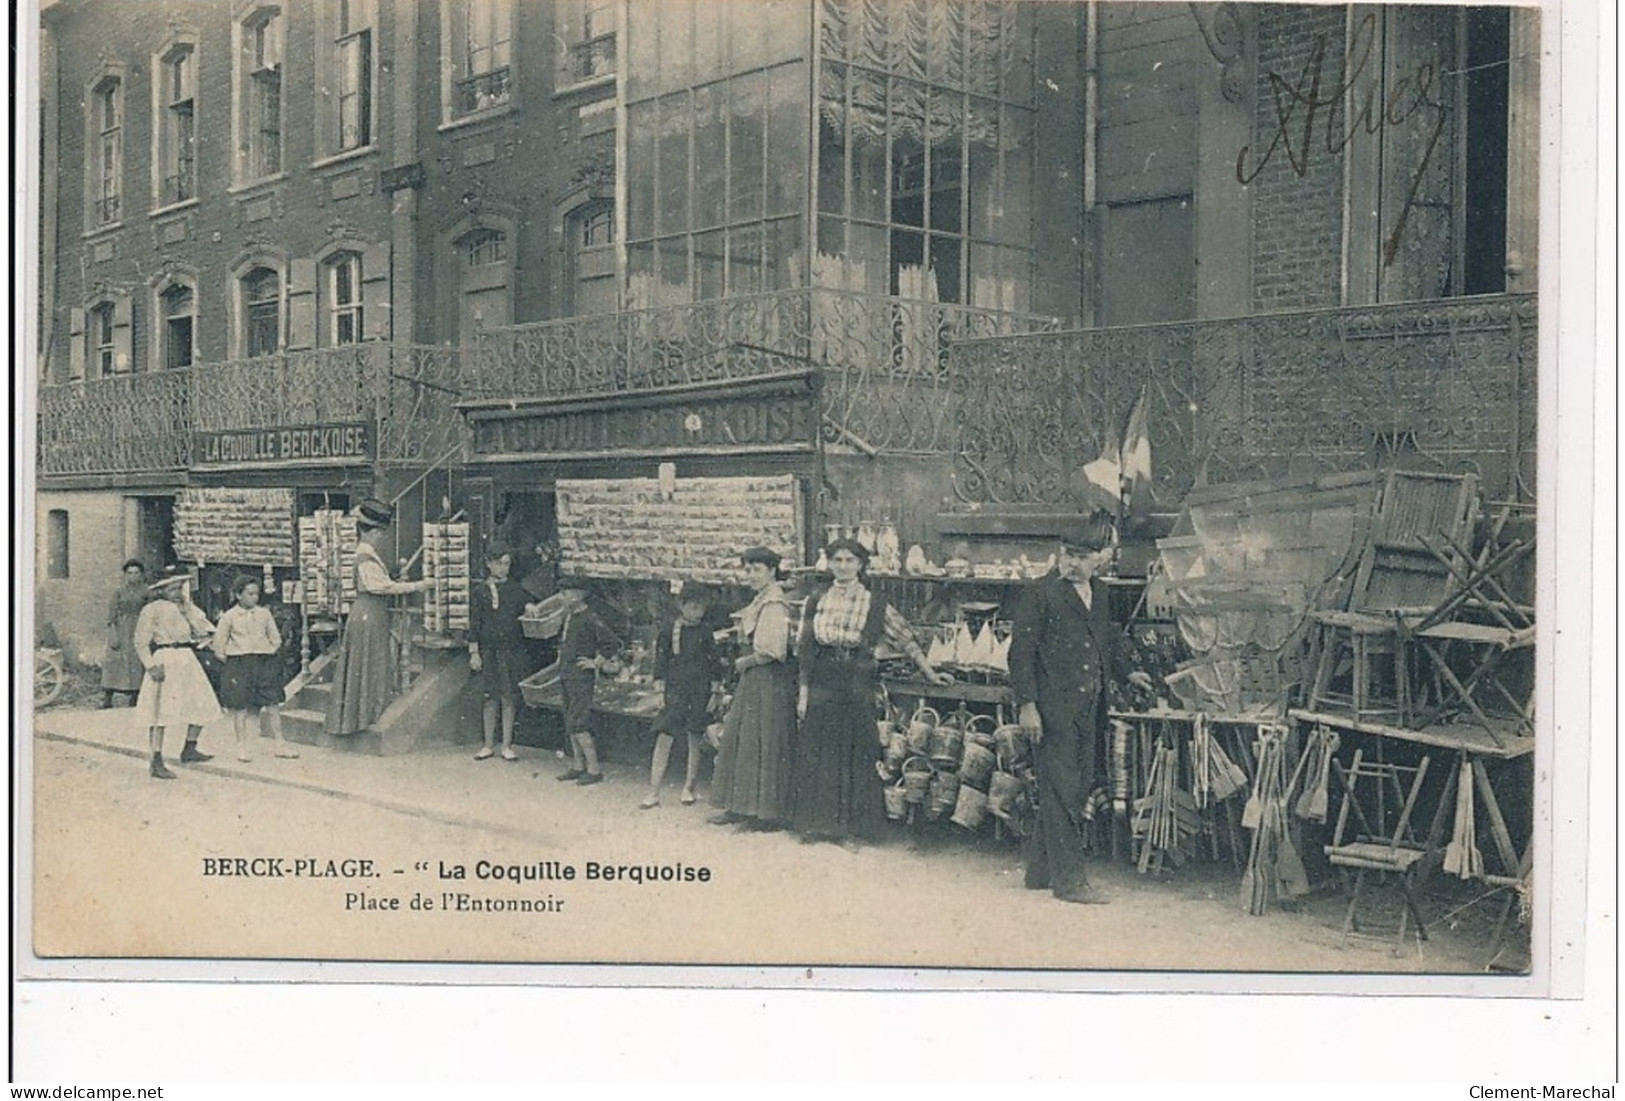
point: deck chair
(1469, 641)
(1374, 834)
(1399, 574)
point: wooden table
(1472, 746)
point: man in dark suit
(1065, 646)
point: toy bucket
(897, 751)
(946, 743)
(944, 793)
(916, 779)
(970, 807)
(1010, 739)
(976, 765)
(920, 728)
(1003, 795)
(884, 729)
(896, 799)
(979, 729)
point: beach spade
(1453, 851)
(1254, 810)
(1288, 865)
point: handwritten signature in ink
(1309, 102)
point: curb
(395, 806)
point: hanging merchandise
(888, 549)
(964, 654)
(327, 543)
(446, 564)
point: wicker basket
(541, 687)
(549, 618)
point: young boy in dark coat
(686, 660)
(496, 648)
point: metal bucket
(896, 798)
(916, 779)
(947, 741)
(976, 765)
(921, 727)
(944, 794)
(970, 807)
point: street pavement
(127, 865)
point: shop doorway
(154, 531)
(527, 522)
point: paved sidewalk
(439, 783)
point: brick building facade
(262, 215)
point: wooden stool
(1367, 642)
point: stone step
(306, 726)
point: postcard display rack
(446, 564)
(327, 544)
(661, 530)
(245, 527)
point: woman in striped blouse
(836, 788)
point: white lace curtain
(947, 45)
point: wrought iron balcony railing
(592, 59)
(1267, 395)
(1020, 405)
(884, 359)
(145, 422)
(482, 92)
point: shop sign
(777, 415)
(298, 445)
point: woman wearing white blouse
(364, 676)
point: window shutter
(375, 297)
(76, 344)
(123, 328)
(302, 305)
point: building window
(484, 282)
(259, 91)
(348, 65)
(103, 350)
(101, 338)
(589, 36)
(598, 227)
(481, 41)
(56, 544)
(106, 139)
(925, 152)
(178, 307)
(262, 312)
(343, 291)
(592, 231)
(177, 126)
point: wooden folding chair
(1373, 792)
(1399, 574)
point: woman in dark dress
(837, 790)
(364, 676)
(121, 669)
(752, 774)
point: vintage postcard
(1046, 495)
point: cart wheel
(48, 679)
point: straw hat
(373, 513)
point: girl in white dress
(174, 688)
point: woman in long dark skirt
(751, 780)
(837, 790)
(364, 676)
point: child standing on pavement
(686, 660)
(583, 644)
(496, 649)
(251, 686)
